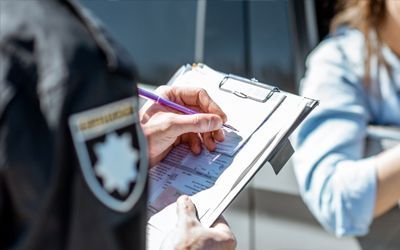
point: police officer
(70, 132)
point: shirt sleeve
(336, 182)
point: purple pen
(157, 99)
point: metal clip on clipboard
(247, 88)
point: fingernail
(224, 119)
(215, 123)
(185, 198)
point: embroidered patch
(107, 140)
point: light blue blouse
(337, 183)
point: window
(249, 38)
(159, 35)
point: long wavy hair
(368, 17)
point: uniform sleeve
(336, 182)
(2, 198)
(2, 210)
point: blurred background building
(268, 40)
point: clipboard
(268, 144)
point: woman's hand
(165, 127)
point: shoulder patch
(112, 153)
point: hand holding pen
(165, 129)
(170, 104)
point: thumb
(198, 123)
(186, 211)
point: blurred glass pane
(224, 44)
(259, 28)
(247, 38)
(272, 51)
(159, 35)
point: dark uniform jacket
(55, 61)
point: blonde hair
(366, 16)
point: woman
(355, 73)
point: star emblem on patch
(116, 164)
(112, 152)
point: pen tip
(230, 127)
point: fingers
(194, 142)
(208, 125)
(219, 135)
(191, 96)
(199, 123)
(208, 141)
(185, 207)
(197, 99)
(221, 228)
(221, 224)
(186, 212)
(217, 237)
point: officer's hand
(190, 234)
(165, 128)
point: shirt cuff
(356, 182)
